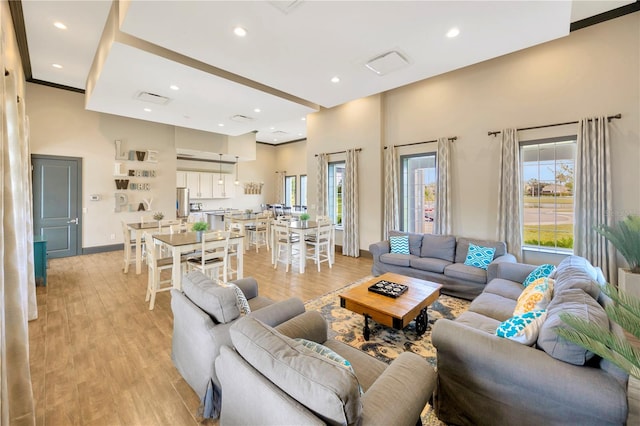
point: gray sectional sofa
(487, 380)
(440, 258)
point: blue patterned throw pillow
(541, 271)
(523, 328)
(479, 256)
(399, 244)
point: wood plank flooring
(100, 357)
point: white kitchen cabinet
(181, 179)
(193, 183)
(204, 185)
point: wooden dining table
(184, 242)
(243, 219)
(301, 228)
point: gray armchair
(268, 379)
(198, 335)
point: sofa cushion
(535, 297)
(522, 328)
(577, 262)
(462, 247)
(478, 321)
(469, 273)
(324, 387)
(415, 241)
(576, 277)
(438, 246)
(399, 244)
(429, 264)
(541, 271)
(479, 256)
(241, 300)
(396, 259)
(506, 288)
(494, 306)
(219, 302)
(573, 301)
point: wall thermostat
(94, 197)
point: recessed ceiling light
(220, 124)
(335, 79)
(304, 119)
(56, 66)
(275, 140)
(239, 31)
(271, 128)
(147, 109)
(299, 134)
(174, 87)
(453, 32)
(256, 110)
(60, 25)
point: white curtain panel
(350, 211)
(593, 205)
(17, 282)
(391, 185)
(442, 219)
(509, 194)
(322, 161)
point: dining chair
(147, 218)
(167, 223)
(284, 241)
(318, 245)
(213, 256)
(129, 247)
(156, 263)
(259, 233)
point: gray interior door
(57, 203)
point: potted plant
(625, 237)
(200, 226)
(304, 217)
(158, 216)
(625, 311)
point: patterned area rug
(386, 343)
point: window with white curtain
(548, 167)
(289, 190)
(335, 181)
(303, 190)
(417, 192)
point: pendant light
(220, 181)
(237, 182)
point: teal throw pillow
(479, 256)
(523, 328)
(399, 244)
(541, 271)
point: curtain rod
(453, 138)
(609, 118)
(339, 152)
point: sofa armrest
(517, 272)
(279, 312)
(310, 325)
(379, 248)
(399, 395)
(249, 286)
(475, 366)
(492, 269)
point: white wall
(593, 71)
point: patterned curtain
(321, 176)
(280, 176)
(17, 281)
(391, 185)
(350, 211)
(442, 219)
(509, 194)
(593, 205)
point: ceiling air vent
(285, 6)
(387, 62)
(279, 133)
(152, 98)
(239, 118)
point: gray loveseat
(271, 379)
(440, 258)
(487, 380)
(202, 315)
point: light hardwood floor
(100, 357)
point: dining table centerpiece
(199, 227)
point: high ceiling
(128, 57)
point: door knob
(75, 221)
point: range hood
(199, 145)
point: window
(303, 190)
(547, 177)
(289, 190)
(417, 192)
(336, 180)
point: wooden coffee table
(392, 312)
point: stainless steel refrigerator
(182, 202)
